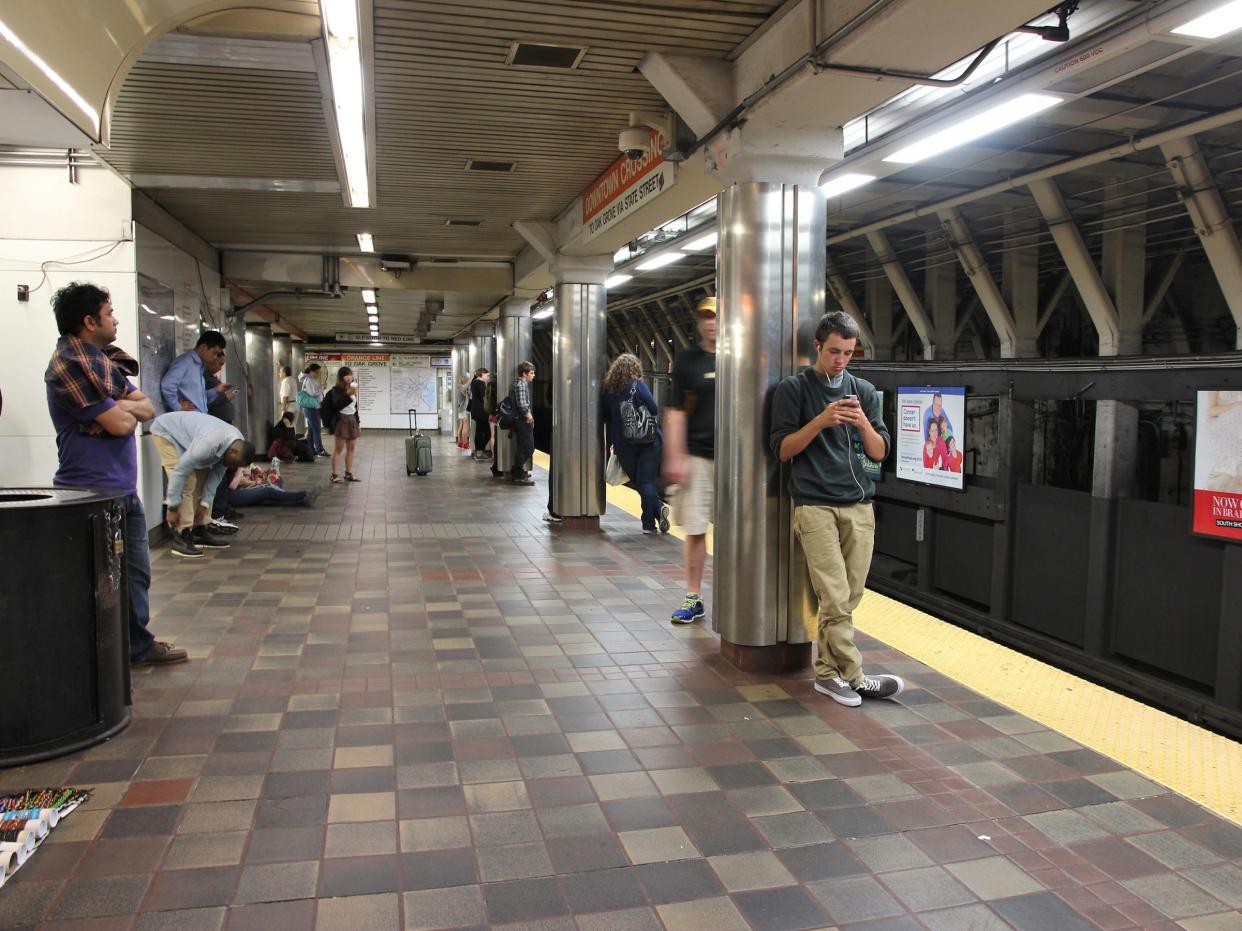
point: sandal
(349, 477)
(336, 479)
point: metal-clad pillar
(1197, 190)
(972, 262)
(484, 350)
(282, 355)
(771, 274)
(236, 371)
(905, 292)
(513, 346)
(260, 403)
(579, 357)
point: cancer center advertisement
(1218, 464)
(931, 435)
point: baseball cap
(706, 305)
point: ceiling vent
(475, 164)
(464, 223)
(554, 57)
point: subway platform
(418, 706)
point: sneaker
(839, 691)
(224, 525)
(323, 454)
(222, 530)
(522, 480)
(312, 495)
(551, 518)
(205, 539)
(162, 654)
(650, 530)
(881, 686)
(183, 546)
(349, 477)
(664, 522)
(690, 611)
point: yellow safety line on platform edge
(1202, 766)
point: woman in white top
(347, 428)
(288, 392)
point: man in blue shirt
(184, 387)
(96, 409)
(196, 450)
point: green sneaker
(690, 611)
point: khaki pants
(837, 542)
(193, 491)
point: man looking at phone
(819, 417)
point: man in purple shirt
(96, 410)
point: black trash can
(64, 665)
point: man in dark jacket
(523, 425)
(479, 414)
(823, 419)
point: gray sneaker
(838, 690)
(880, 686)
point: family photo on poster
(1218, 464)
(931, 435)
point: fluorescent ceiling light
(1212, 25)
(543, 314)
(365, 242)
(368, 295)
(616, 280)
(659, 261)
(52, 74)
(834, 187)
(972, 128)
(705, 241)
(373, 318)
(340, 24)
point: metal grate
(535, 55)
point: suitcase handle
(411, 414)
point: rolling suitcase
(417, 450)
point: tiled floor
(417, 706)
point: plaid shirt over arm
(521, 395)
(81, 375)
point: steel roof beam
(1197, 190)
(840, 290)
(962, 242)
(1078, 263)
(905, 292)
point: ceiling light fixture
(974, 127)
(340, 26)
(365, 242)
(706, 241)
(368, 295)
(1213, 25)
(659, 261)
(52, 75)
(834, 187)
(618, 279)
(373, 318)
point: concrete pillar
(940, 297)
(260, 404)
(579, 359)
(513, 346)
(771, 277)
(880, 310)
(1020, 284)
(236, 371)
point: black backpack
(334, 401)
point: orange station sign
(625, 186)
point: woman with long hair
(463, 412)
(310, 396)
(478, 413)
(347, 428)
(623, 384)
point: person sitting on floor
(283, 438)
(255, 486)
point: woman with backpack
(310, 397)
(343, 402)
(632, 418)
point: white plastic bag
(613, 473)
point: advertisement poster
(931, 435)
(1218, 464)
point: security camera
(635, 142)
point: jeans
(314, 429)
(265, 494)
(523, 446)
(642, 465)
(138, 574)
